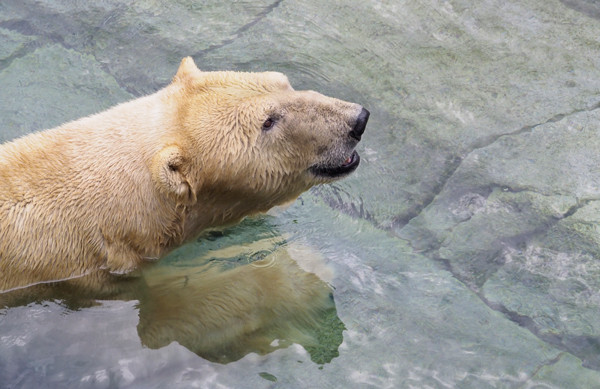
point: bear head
(248, 141)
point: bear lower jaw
(337, 171)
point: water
(462, 253)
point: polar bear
(124, 187)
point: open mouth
(349, 165)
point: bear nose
(360, 125)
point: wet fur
(123, 187)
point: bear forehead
(241, 83)
(259, 82)
(189, 75)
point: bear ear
(170, 173)
(187, 71)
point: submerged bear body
(124, 187)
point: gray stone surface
(11, 43)
(517, 222)
(138, 42)
(51, 85)
(465, 247)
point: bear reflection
(224, 315)
(220, 311)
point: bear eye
(268, 124)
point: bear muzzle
(353, 160)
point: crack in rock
(240, 31)
(21, 52)
(584, 347)
(581, 346)
(454, 164)
(550, 362)
(24, 26)
(580, 204)
(523, 237)
(588, 8)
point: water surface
(462, 253)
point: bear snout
(360, 125)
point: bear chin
(337, 171)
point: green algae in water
(329, 336)
(268, 376)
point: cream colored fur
(223, 315)
(124, 187)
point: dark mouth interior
(335, 171)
